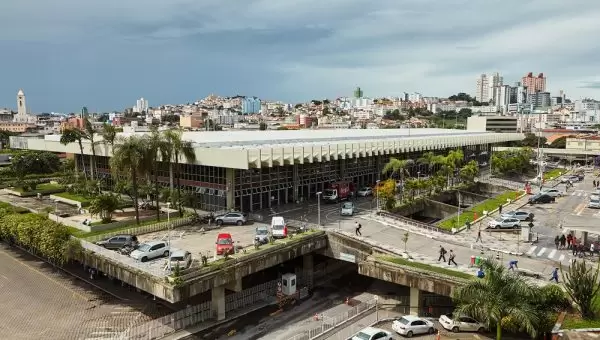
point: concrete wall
(407, 276)
(236, 269)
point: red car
(224, 244)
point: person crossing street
(451, 258)
(357, 229)
(442, 254)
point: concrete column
(379, 168)
(343, 168)
(218, 302)
(415, 301)
(230, 188)
(296, 182)
(235, 286)
(308, 270)
(584, 237)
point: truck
(338, 191)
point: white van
(278, 227)
(594, 202)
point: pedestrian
(563, 241)
(513, 264)
(554, 275)
(569, 241)
(500, 209)
(574, 248)
(451, 258)
(594, 181)
(480, 273)
(479, 236)
(557, 241)
(442, 254)
(357, 229)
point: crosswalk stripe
(531, 250)
(561, 258)
(552, 253)
(541, 252)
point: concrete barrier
(78, 204)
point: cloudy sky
(105, 54)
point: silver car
(233, 217)
(348, 209)
(519, 215)
(505, 223)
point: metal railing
(326, 323)
(150, 228)
(413, 223)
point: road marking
(287, 211)
(579, 209)
(81, 296)
(552, 253)
(541, 252)
(561, 258)
(531, 250)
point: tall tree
(176, 149)
(109, 134)
(130, 160)
(498, 297)
(72, 135)
(89, 134)
(158, 149)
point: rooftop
(237, 139)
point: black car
(119, 241)
(541, 198)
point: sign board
(347, 257)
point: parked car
(279, 228)
(519, 215)
(347, 209)
(364, 192)
(119, 241)
(566, 179)
(594, 202)
(541, 198)
(150, 250)
(461, 324)
(504, 223)
(553, 192)
(262, 235)
(410, 325)
(233, 217)
(372, 333)
(181, 258)
(224, 244)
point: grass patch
(49, 186)
(554, 173)
(131, 225)
(574, 321)
(487, 205)
(13, 209)
(427, 267)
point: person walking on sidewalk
(554, 275)
(357, 229)
(442, 254)
(563, 241)
(557, 241)
(451, 258)
(479, 236)
(500, 209)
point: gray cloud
(591, 85)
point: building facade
(506, 124)
(251, 105)
(256, 170)
(534, 84)
(482, 93)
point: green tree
(104, 206)
(73, 135)
(531, 140)
(176, 149)
(559, 143)
(501, 299)
(129, 161)
(581, 284)
(158, 149)
(469, 171)
(26, 162)
(109, 134)
(386, 193)
(89, 134)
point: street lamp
(319, 208)
(169, 232)
(377, 194)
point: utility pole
(458, 216)
(539, 151)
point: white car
(347, 209)
(553, 192)
(180, 258)
(150, 250)
(461, 324)
(364, 192)
(504, 223)
(410, 325)
(372, 333)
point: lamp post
(56, 209)
(319, 208)
(169, 232)
(377, 194)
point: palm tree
(109, 134)
(430, 159)
(71, 135)
(501, 299)
(89, 134)
(469, 171)
(157, 149)
(177, 147)
(130, 160)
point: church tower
(21, 105)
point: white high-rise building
(495, 82)
(141, 105)
(482, 90)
